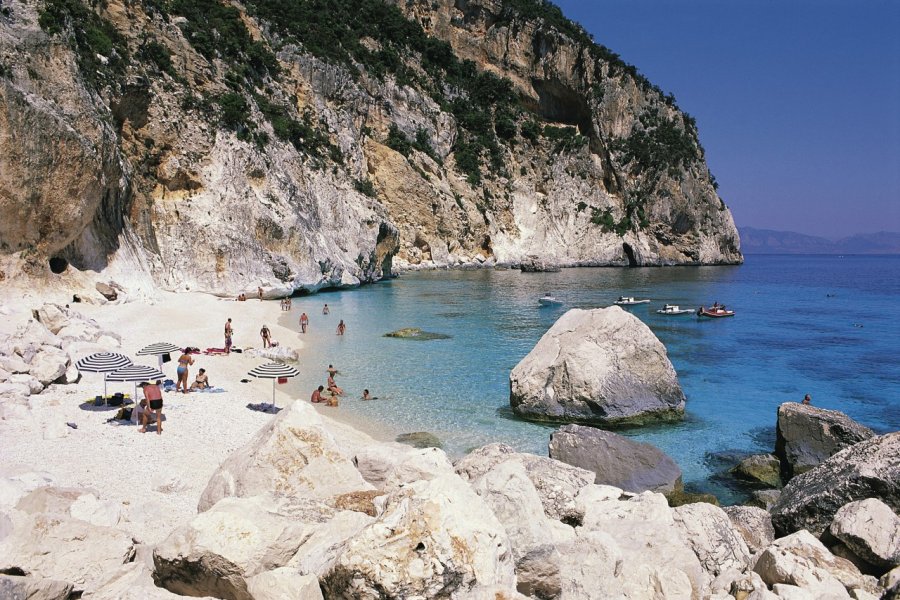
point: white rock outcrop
(293, 455)
(597, 366)
(871, 530)
(431, 538)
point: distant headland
(768, 241)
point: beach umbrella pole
(273, 393)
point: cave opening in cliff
(58, 264)
(629, 252)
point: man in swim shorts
(153, 395)
(228, 333)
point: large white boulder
(431, 539)
(597, 366)
(49, 364)
(220, 549)
(510, 494)
(27, 588)
(871, 530)
(802, 560)
(708, 531)
(556, 483)
(387, 467)
(615, 459)
(56, 546)
(754, 524)
(283, 583)
(293, 455)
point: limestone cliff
(218, 146)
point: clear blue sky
(797, 101)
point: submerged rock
(414, 333)
(615, 459)
(759, 468)
(807, 436)
(600, 366)
(869, 469)
(420, 439)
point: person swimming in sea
(367, 396)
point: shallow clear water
(822, 325)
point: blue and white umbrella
(273, 371)
(102, 362)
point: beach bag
(166, 358)
(282, 380)
(98, 401)
(116, 400)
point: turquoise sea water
(824, 325)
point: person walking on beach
(184, 361)
(341, 328)
(153, 396)
(228, 333)
(325, 310)
(266, 336)
(304, 323)
(259, 292)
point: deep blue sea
(824, 325)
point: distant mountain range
(767, 241)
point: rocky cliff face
(221, 147)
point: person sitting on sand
(266, 336)
(333, 387)
(153, 396)
(201, 382)
(184, 361)
(317, 395)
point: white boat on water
(630, 301)
(549, 300)
(674, 309)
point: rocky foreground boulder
(871, 530)
(615, 459)
(807, 436)
(869, 469)
(601, 366)
(293, 455)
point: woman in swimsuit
(184, 361)
(201, 382)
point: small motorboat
(716, 311)
(630, 301)
(549, 299)
(674, 309)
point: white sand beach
(155, 480)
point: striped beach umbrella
(158, 349)
(135, 373)
(102, 362)
(273, 371)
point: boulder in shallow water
(414, 333)
(615, 459)
(869, 469)
(807, 436)
(763, 469)
(420, 439)
(601, 366)
(871, 530)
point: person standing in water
(228, 333)
(304, 323)
(325, 310)
(341, 328)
